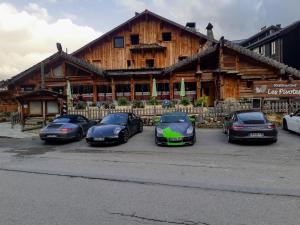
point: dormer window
(119, 42)
(167, 36)
(135, 39)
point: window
(166, 36)
(262, 50)
(273, 48)
(135, 39)
(58, 89)
(149, 63)
(27, 88)
(52, 107)
(180, 58)
(97, 62)
(119, 42)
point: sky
(29, 30)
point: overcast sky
(29, 30)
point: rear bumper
(268, 135)
(57, 136)
(168, 142)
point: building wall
(150, 30)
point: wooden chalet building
(123, 62)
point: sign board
(276, 89)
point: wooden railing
(219, 111)
(15, 118)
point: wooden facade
(124, 61)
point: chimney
(59, 47)
(191, 26)
(210, 33)
(136, 14)
(278, 25)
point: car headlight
(117, 130)
(89, 132)
(190, 130)
(159, 130)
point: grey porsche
(66, 127)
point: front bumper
(103, 140)
(173, 142)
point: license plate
(256, 134)
(51, 136)
(99, 139)
(175, 139)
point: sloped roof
(244, 51)
(137, 16)
(56, 56)
(41, 92)
(188, 60)
(277, 33)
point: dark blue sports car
(114, 128)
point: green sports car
(175, 128)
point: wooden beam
(132, 89)
(113, 89)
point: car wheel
(229, 138)
(79, 136)
(194, 140)
(140, 128)
(125, 136)
(274, 141)
(284, 125)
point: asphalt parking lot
(212, 182)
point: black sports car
(66, 127)
(115, 128)
(249, 125)
(175, 128)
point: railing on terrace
(220, 110)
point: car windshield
(252, 117)
(62, 120)
(115, 119)
(173, 119)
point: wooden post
(151, 85)
(171, 88)
(44, 112)
(199, 84)
(132, 89)
(113, 89)
(95, 94)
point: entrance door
(208, 89)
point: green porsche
(175, 128)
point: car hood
(104, 130)
(174, 130)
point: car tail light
(237, 127)
(271, 126)
(65, 130)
